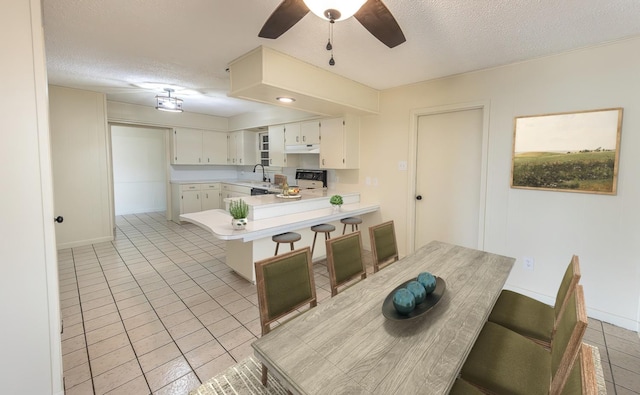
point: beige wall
(29, 301)
(549, 226)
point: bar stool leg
(313, 246)
(344, 228)
(291, 246)
(277, 245)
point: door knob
(58, 219)
(419, 197)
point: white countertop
(218, 222)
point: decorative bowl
(404, 301)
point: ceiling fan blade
(378, 20)
(288, 13)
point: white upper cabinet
(214, 148)
(302, 133)
(277, 157)
(340, 143)
(242, 148)
(310, 132)
(186, 147)
(198, 147)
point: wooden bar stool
(322, 228)
(353, 221)
(289, 237)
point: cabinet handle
(206, 195)
(304, 139)
(323, 161)
(270, 161)
(297, 139)
(199, 160)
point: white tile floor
(158, 311)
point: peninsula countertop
(218, 222)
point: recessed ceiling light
(284, 99)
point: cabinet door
(332, 143)
(190, 202)
(210, 196)
(187, 146)
(292, 134)
(310, 132)
(276, 146)
(210, 199)
(247, 147)
(232, 151)
(214, 148)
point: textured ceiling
(117, 46)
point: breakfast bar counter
(253, 243)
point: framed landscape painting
(571, 152)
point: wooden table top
(346, 346)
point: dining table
(346, 345)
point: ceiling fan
(372, 14)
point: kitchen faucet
(264, 176)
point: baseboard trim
(81, 243)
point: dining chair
(532, 318)
(504, 362)
(461, 387)
(383, 245)
(582, 378)
(344, 260)
(285, 283)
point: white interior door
(448, 175)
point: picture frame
(569, 151)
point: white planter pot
(238, 223)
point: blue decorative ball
(428, 281)
(417, 290)
(404, 301)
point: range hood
(302, 149)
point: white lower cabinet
(191, 198)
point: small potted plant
(336, 201)
(239, 210)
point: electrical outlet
(527, 263)
(367, 180)
(375, 181)
(402, 165)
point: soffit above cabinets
(264, 74)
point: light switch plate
(402, 165)
(527, 263)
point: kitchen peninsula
(270, 215)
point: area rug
(244, 378)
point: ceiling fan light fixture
(284, 99)
(168, 103)
(323, 8)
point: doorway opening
(139, 163)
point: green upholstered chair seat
(461, 387)
(504, 362)
(527, 316)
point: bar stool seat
(321, 228)
(353, 221)
(289, 237)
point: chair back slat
(344, 259)
(566, 343)
(285, 283)
(569, 282)
(383, 244)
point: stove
(311, 179)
